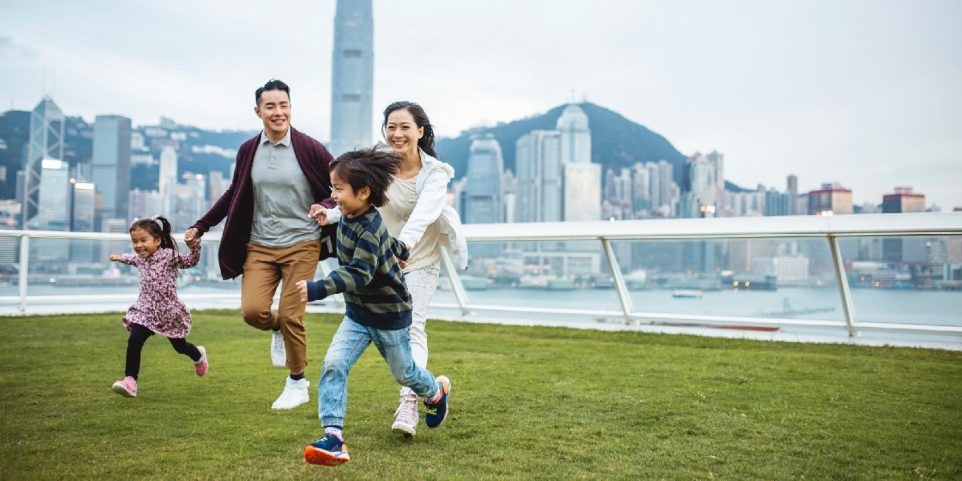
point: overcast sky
(864, 92)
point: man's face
(275, 110)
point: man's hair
(369, 168)
(272, 84)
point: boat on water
(687, 293)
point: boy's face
(352, 203)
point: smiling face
(275, 110)
(144, 243)
(352, 203)
(402, 132)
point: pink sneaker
(200, 367)
(126, 387)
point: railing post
(620, 286)
(24, 271)
(842, 280)
(455, 279)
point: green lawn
(527, 403)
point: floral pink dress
(157, 307)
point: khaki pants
(264, 269)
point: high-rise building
(703, 175)
(483, 203)
(575, 136)
(792, 192)
(582, 199)
(903, 200)
(485, 171)
(167, 180)
(54, 196)
(46, 142)
(640, 189)
(831, 199)
(84, 215)
(111, 163)
(899, 249)
(143, 203)
(352, 81)
(538, 161)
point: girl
(157, 310)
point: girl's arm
(190, 259)
(126, 258)
(432, 198)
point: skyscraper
(82, 220)
(484, 190)
(46, 142)
(831, 199)
(575, 136)
(167, 181)
(538, 161)
(352, 81)
(111, 164)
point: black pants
(135, 344)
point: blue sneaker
(327, 451)
(435, 414)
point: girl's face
(352, 203)
(144, 242)
(402, 132)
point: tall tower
(575, 136)
(46, 142)
(111, 164)
(167, 180)
(352, 81)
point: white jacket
(431, 186)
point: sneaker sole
(404, 429)
(117, 388)
(323, 458)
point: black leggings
(135, 343)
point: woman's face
(402, 133)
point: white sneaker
(278, 352)
(295, 394)
(406, 416)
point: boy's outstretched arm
(350, 277)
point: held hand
(115, 257)
(191, 235)
(302, 290)
(319, 213)
(403, 264)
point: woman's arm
(430, 201)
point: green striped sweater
(368, 274)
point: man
(279, 176)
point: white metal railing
(829, 228)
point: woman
(417, 214)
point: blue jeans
(350, 341)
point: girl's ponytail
(166, 239)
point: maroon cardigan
(237, 204)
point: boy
(378, 303)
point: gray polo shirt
(282, 196)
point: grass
(527, 403)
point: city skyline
(822, 91)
